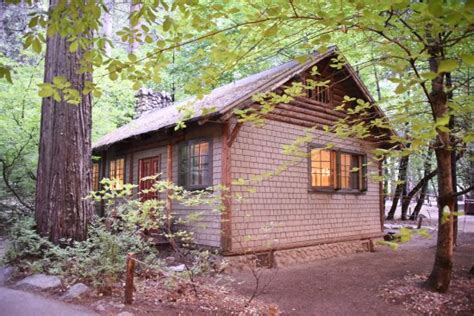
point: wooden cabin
(314, 208)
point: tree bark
(403, 197)
(420, 201)
(107, 24)
(440, 276)
(420, 185)
(134, 43)
(402, 174)
(452, 124)
(64, 164)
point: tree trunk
(107, 24)
(404, 196)
(134, 43)
(421, 184)
(420, 202)
(402, 174)
(64, 164)
(452, 124)
(440, 276)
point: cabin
(323, 205)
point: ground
(382, 282)
(353, 285)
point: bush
(99, 260)
(26, 247)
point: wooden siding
(282, 212)
(207, 231)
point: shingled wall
(282, 213)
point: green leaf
(137, 85)
(74, 46)
(271, 31)
(167, 24)
(468, 59)
(132, 57)
(5, 73)
(468, 138)
(36, 44)
(46, 90)
(113, 76)
(400, 88)
(442, 121)
(447, 65)
(429, 75)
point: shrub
(99, 260)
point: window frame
(189, 144)
(99, 169)
(124, 169)
(317, 93)
(337, 172)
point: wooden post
(129, 279)
(169, 173)
(226, 241)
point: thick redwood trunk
(64, 165)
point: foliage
(19, 114)
(98, 260)
(404, 236)
(421, 50)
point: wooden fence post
(129, 279)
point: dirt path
(350, 285)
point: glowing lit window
(117, 173)
(95, 176)
(322, 168)
(336, 170)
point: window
(194, 164)
(117, 173)
(337, 170)
(321, 94)
(148, 167)
(95, 176)
(350, 173)
(322, 168)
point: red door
(148, 167)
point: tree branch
(464, 191)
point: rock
(75, 291)
(100, 308)
(117, 305)
(5, 274)
(40, 281)
(170, 260)
(178, 268)
(124, 314)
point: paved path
(19, 303)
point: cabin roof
(219, 100)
